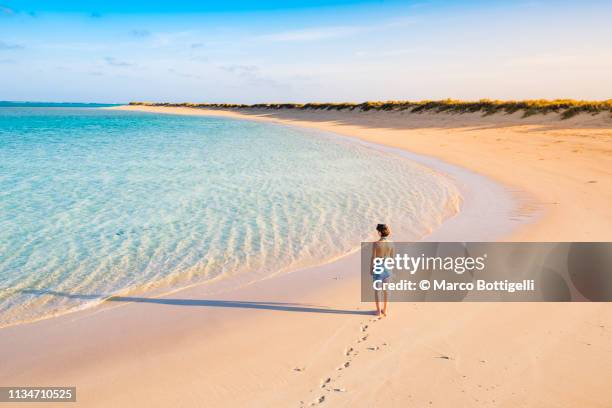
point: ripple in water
(95, 203)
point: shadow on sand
(284, 307)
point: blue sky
(322, 50)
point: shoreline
(479, 190)
(475, 190)
(476, 193)
(274, 342)
(546, 163)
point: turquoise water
(15, 104)
(97, 202)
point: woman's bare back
(384, 249)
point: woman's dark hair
(383, 229)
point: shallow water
(98, 202)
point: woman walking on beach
(383, 248)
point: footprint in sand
(348, 352)
(345, 365)
(317, 401)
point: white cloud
(327, 32)
(240, 69)
(6, 10)
(313, 34)
(117, 63)
(140, 33)
(7, 46)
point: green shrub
(567, 108)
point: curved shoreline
(475, 220)
(473, 188)
(274, 341)
(557, 170)
(490, 210)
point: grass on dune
(567, 108)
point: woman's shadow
(284, 307)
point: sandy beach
(305, 338)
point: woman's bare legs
(384, 309)
(378, 312)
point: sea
(97, 202)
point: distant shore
(565, 108)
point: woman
(383, 248)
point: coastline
(244, 349)
(472, 220)
(558, 169)
(454, 215)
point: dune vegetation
(565, 107)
